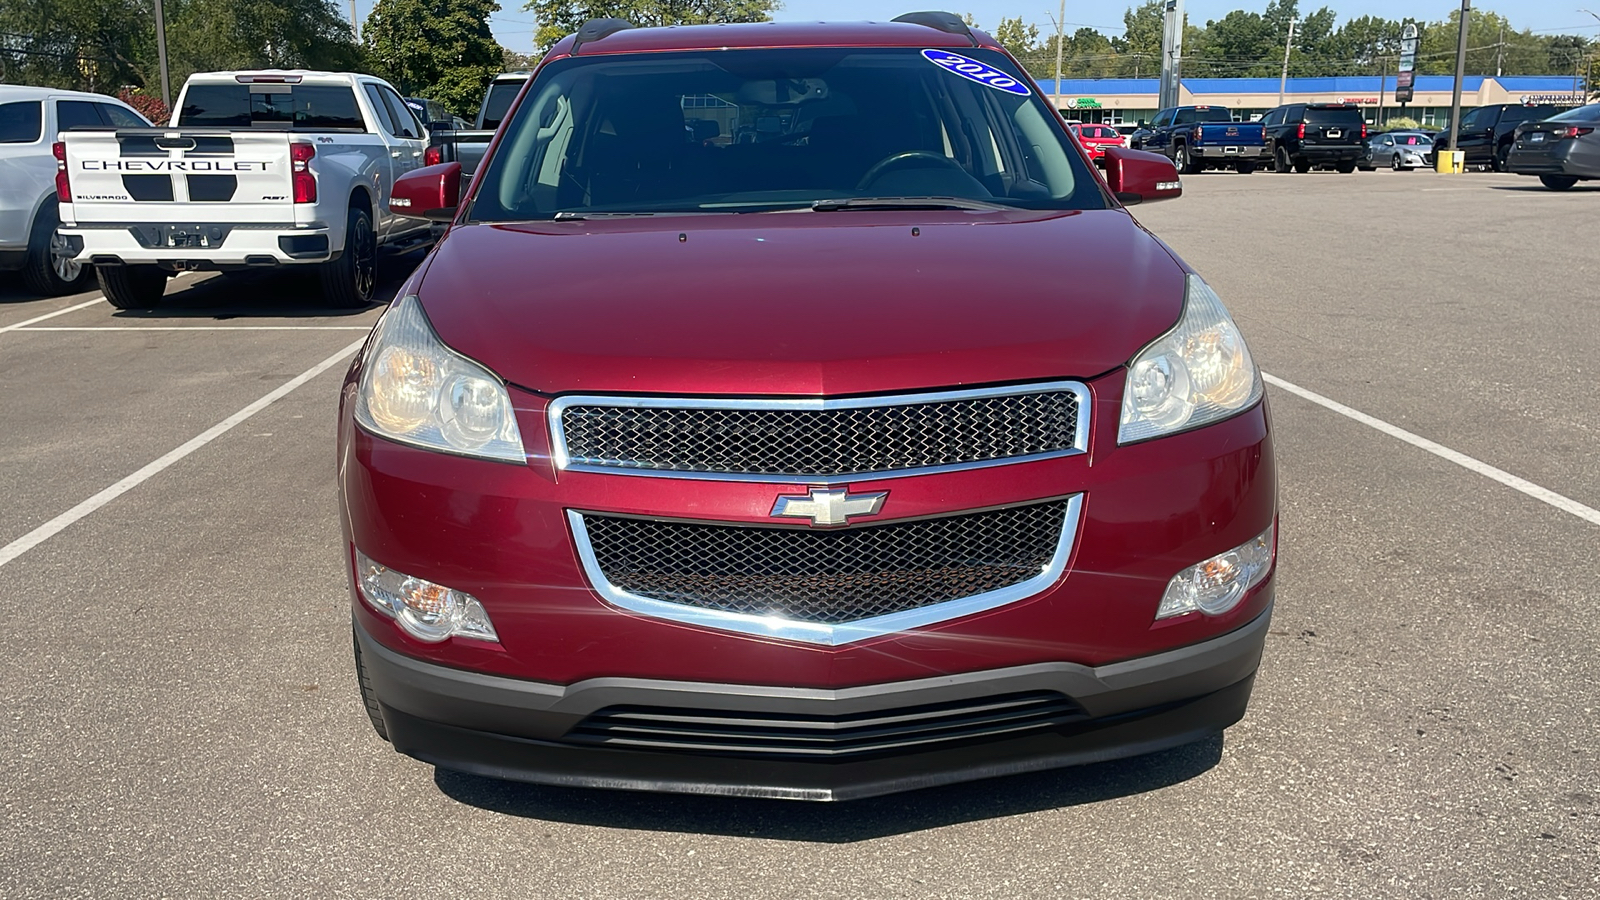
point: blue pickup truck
(1197, 138)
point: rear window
(302, 107)
(1336, 115)
(501, 93)
(20, 123)
(1195, 116)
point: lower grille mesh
(770, 735)
(829, 577)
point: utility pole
(1283, 80)
(1500, 52)
(161, 51)
(1383, 85)
(1061, 30)
(1461, 67)
(1171, 52)
(355, 30)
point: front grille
(841, 438)
(827, 577)
(850, 736)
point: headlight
(1198, 373)
(417, 391)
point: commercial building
(1119, 101)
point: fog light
(1218, 584)
(426, 611)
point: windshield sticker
(972, 70)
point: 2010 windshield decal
(972, 70)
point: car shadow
(1541, 189)
(272, 293)
(840, 823)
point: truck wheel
(1345, 168)
(1185, 163)
(49, 268)
(369, 697)
(132, 287)
(1558, 182)
(1280, 160)
(1245, 168)
(1302, 166)
(1498, 163)
(347, 282)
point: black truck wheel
(132, 287)
(348, 282)
(1185, 161)
(1245, 168)
(1345, 168)
(1280, 159)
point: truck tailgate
(172, 175)
(1238, 134)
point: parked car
(1398, 150)
(258, 169)
(614, 515)
(1488, 132)
(1302, 135)
(467, 147)
(1096, 138)
(1197, 138)
(1561, 150)
(30, 237)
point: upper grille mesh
(827, 577)
(821, 442)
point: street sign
(1408, 63)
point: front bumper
(524, 731)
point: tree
(559, 18)
(440, 49)
(1018, 38)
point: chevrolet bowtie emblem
(824, 507)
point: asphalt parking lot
(182, 718)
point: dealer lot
(1423, 725)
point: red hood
(806, 303)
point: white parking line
(1544, 495)
(55, 526)
(51, 315)
(201, 328)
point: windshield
(1590, 113)
(757, 130)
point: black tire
(1302, 166)
(369, 696)
(1280, 160)
(48, 268)
(1185, 161)
(1498, 162)
(1345, 168)
(1245, 168)
(1558, 182)
(1394, 163)
(132, 287)
(348, 282)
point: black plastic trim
(595, 29)
(949, 23)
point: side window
(1388, 141)
(1471, 119)
(405, 121)
(21, 122)
(381, 110)
(1272, 118)
(120, 117)
(1295, 114)
(1162, 118)
(77, 114)
(1184, 117)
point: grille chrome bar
(795, 412)
(828, 633)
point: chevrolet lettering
(615, 469)
(173, 165)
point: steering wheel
(896, 160)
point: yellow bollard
(1450, 162)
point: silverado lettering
(174, 165)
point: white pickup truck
(257, 169)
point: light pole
(1461, 65)
(1061, 31)
(1283, 80)
(161, 52)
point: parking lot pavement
(183, 720)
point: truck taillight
(1363, 131)
(433, 156)
(1197, 134)
(305, 183)
(1264, 128)
(63, 186)
(1301, 131)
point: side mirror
(1143, 124)
(432, 193)
(1139, 177)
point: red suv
(742, 435)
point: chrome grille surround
(851, 439)
(724, 608)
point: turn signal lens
(428, 612)
(63, 184)
(1216, 585)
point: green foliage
(439, 49)
(559, 18)
(1016, 37)
(104, 45)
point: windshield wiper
(907, 203)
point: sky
(514, 27)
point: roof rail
(595, 29)
(949, 23)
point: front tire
(349, 281)
(369, 696)
(132, 287)
(1394, 163)
(1558, 182)
(49, 268)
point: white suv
(30, 117)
